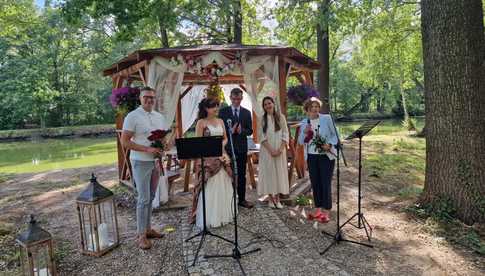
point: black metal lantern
(97, 219)
(36, 252)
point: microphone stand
(339, 144)
(236, 252)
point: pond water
(52, 154)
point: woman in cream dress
(218, 189)
(273, 165)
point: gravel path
(402, 247)
(282, 252)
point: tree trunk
(380, 103)
(365, 102)
(334, 101)
(453, 51)
(163, 33)
(237, 22)
(323, 56)
(401, 89)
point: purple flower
(125, 98)
(299, 93)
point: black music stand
(338, 236)
(195, 148)
(236, 251)
(361, 220)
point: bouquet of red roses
(157, 138)
(319, 141)
(308, 137)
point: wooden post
(178, 115)
(282, 69)
(300, 163)
(143, 79)
(308, 77)
(117, 81)
(282, 84)
(180, 133)
(255, 127)
(178, 119)
(146, 71)
(187, 174)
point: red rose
(158, 134)
(309, 136)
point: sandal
(322, 218)
(311, 216)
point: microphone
(229, 125)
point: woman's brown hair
(276, 116)
(308, 103)
(205, 104)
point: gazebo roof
(252, 50)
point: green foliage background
(52, 56)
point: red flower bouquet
(319, 142)
(309, 136)
(157, 138)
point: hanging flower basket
(299, 93)
(125, 99)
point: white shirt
(142, 123)
(327, 130)
(238, 109)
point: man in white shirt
(137, 126)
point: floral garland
(213, 70)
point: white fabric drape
(261, 78)
(190, 102)
(166, 78)
(260, 74)
(190, 105)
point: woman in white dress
(273, 165)
(218, 189)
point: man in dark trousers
(241, 127)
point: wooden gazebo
(135, 67)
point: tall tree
(323, 54)
(238, 21)
(453, 51)
(390, 55)
(318, 28)
(129, 15)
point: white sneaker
(279, 205)
(271, 204)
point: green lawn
(51, 154)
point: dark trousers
(321, 172)
(241, 159)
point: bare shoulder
(201, 123)
(220, 121)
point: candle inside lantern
(103, 235)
